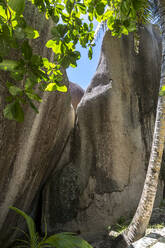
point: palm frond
(22, 241)
(20, 230)
(154, 10)
(46, 231)
(31, 226)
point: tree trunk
(143, 213)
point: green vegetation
(30, 70)
(162, 203)
(121, 224)
(60, 240)
(157, 226)
(120, 227)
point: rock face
(29, 151)
(155, 238)
(109, 150)
(28, 155)
(76, 94)
(83, 172)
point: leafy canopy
(30, 71)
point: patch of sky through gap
(86, 68)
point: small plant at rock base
(119, 228)
(162, 203)
(157, 226)
(121, 224)
(59, 240)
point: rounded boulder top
(76, 94)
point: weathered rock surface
(109, 151)
(29, 151)
(83, 172)
(76, 94)
(154, 239)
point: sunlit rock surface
(155, 238)
(76, 94)
(110, 146)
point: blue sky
(86, 68)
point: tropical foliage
(60, 240)
(70, 26)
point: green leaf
(33, 96)
(55, 18)
(22, 22)
(51, 87)
(17, 5)
(9, 99)
(3, 13)
(69, 6)
(33, 106)
(56, 46)
(15, 91)
(162, 91)
(8, 65)
(110, 22)
(85, 26)
(13, 111)
(62, 29)
(72, 60)
(66, 240)
(19, 34)
(50, 43)
(90, 53)
(55, 33)
(61, 88)
(163, 88)
(29, 84)
(65, 18)
(65, 62)
(17, 75)
(8, 84)
(60, 6)
(31, 226)
(81, 7)
(55, 86)
(132, 27)
(6, 31)
(31, 33)
(36, 60)
(100, 8)
(58, 78)
(26, 50)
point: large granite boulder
(83, 172)
(76, 94)
(110, 146)
(29, 151)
